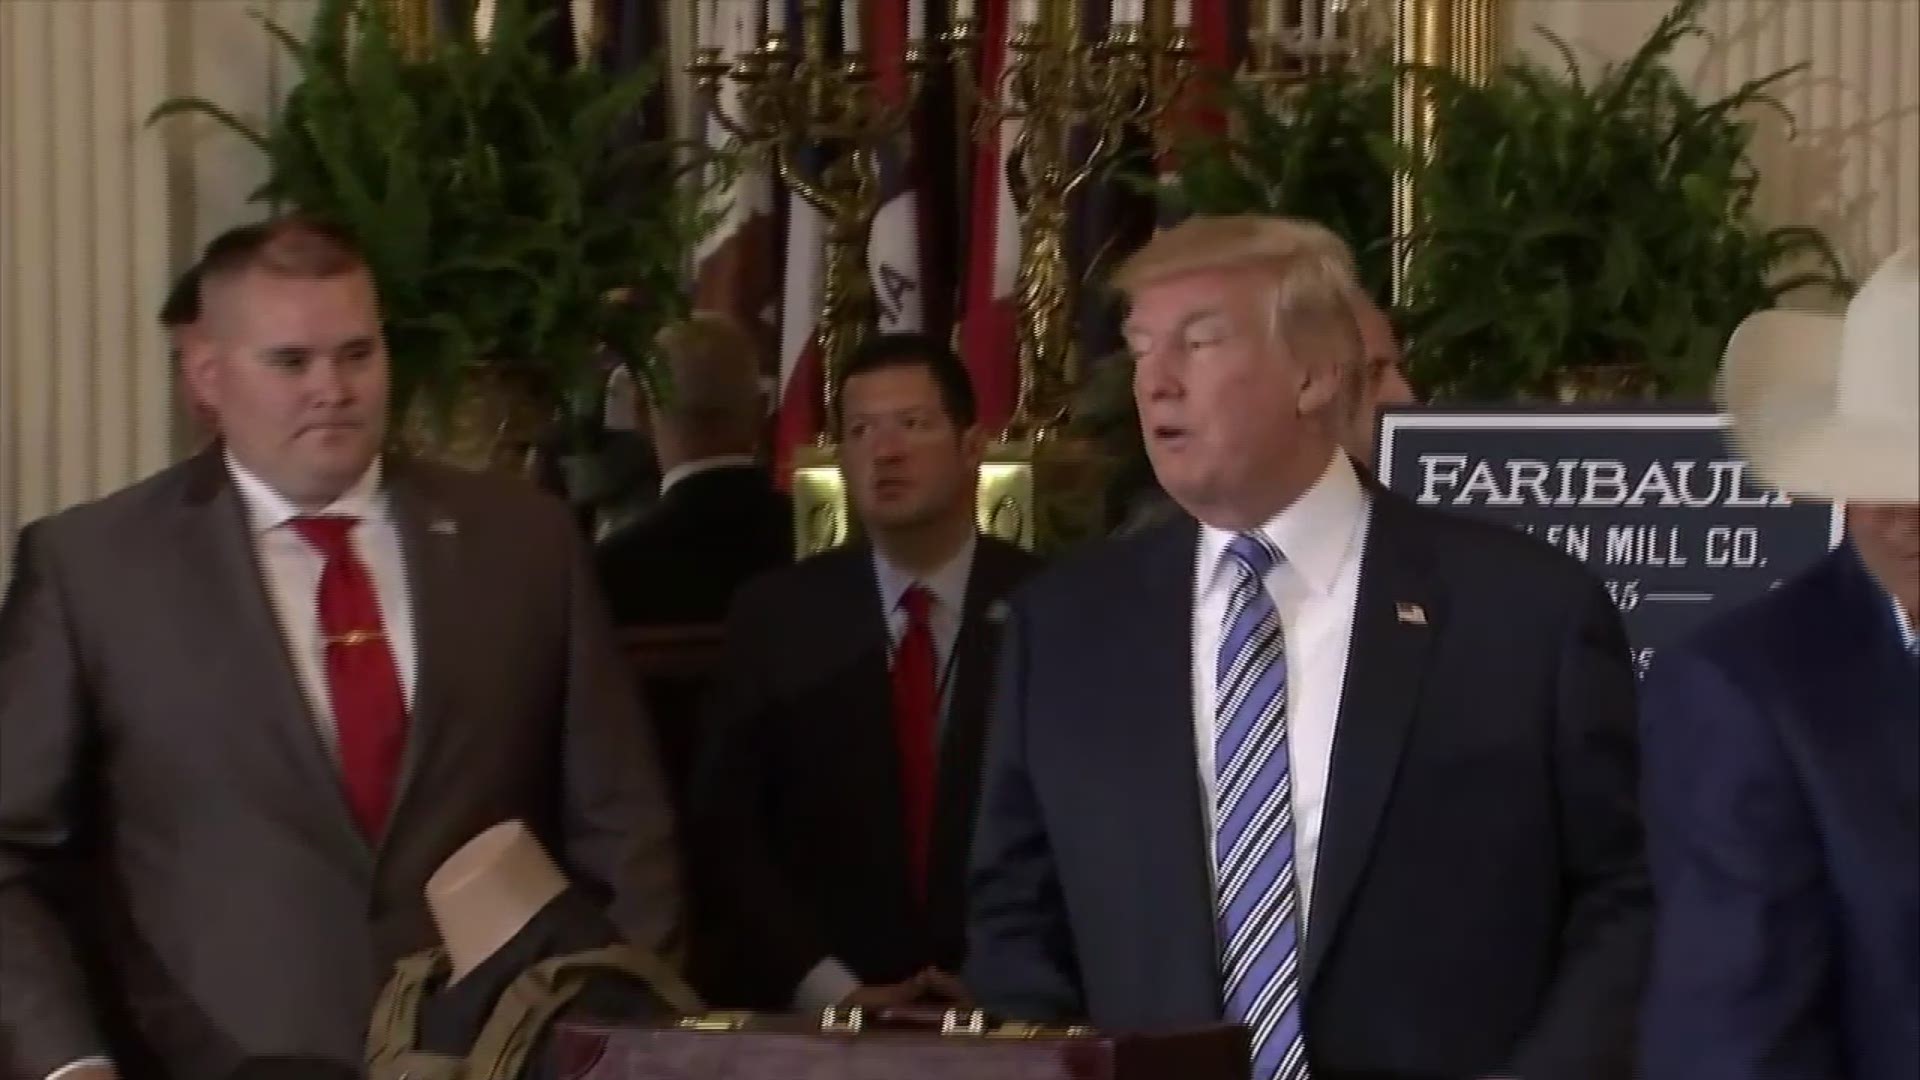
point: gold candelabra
(1294, 40)
(411, 23)
(1291, 41)
(1459, 35)
(1071, 101)
(823, 122)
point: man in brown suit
(260, 696)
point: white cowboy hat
(1829, 406)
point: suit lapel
(964, 732)
(432, 549)
(863, 705)
(1156, 793)
(1395, 619)
(1879, 686)
(1868, 679)
(871, 689)
(266, 681)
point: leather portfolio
(843, 1045)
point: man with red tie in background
(263, 694)
(831, 820)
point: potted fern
(516, 230)
(1582, 239)
(1321, 149)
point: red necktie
(369, 709)
(916, 706)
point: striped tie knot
(1255, 552)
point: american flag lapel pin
(1411, 614)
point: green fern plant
(1321, 150)
(512, 225)
(1577, 233)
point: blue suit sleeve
(1020, 957)
(1742, 974)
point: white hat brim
(1778, 383)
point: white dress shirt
(290, 571)
(947, 587)
(1314, 588)
(687, 469)
(829, 981)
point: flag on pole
(990, 312)
(626, 35)
(1117, 212)
(798, 418)
(1217, 29)
(1218, 32)
(734, 267)
(893, 246)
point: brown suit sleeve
(618, 826)
(45, 1020)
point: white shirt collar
(704, 465)
(1314, 533)
(1901, 620)
(267, 509)
(948, 584)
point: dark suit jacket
(1783, 809)
(1480, 898)
(795, 830)
(682, 561)
(145, 688)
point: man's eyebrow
(1128, 327)
(900, 410)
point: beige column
(97, 215)
(85, 404)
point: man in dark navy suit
(1783, 744)
(1308, 758)
(831, 822)
(719, 521)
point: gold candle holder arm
(787, 160)
(821, 122)
(1074, 100)
(962, 41)
(750, 127)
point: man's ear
(973, 445)
(1319, 387)
(200, 366)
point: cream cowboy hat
(1829, 406)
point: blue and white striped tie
(1259, 917)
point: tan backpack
(525, 1009)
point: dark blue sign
(1655, 503)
